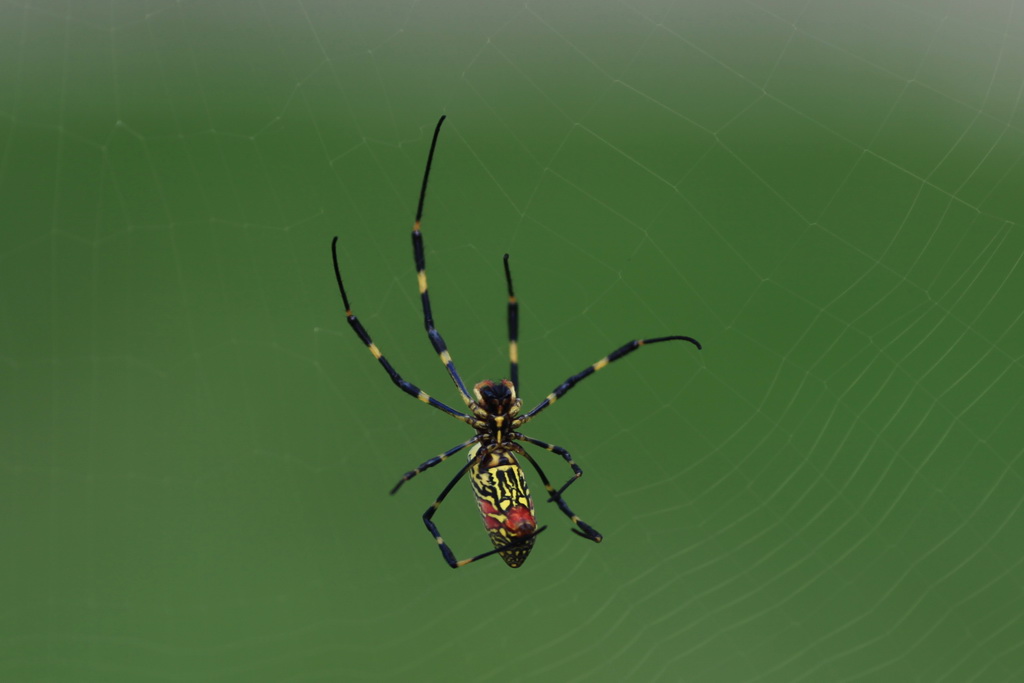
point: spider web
(197, 450)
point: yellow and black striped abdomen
(499, 485)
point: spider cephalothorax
(496, 405)
(499, 483)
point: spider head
(497, 398)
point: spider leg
(421, 276)
(436, 460)
(449, 556)
(577, 472)
(513, 330)
(588, 532)
(402, 384)
(568, 384)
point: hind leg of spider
(585, 530)
(577, 472)
(449, 556)
(436, 460)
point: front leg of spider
(494, 413)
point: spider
(494, 412)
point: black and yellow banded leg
(449, 556)
(577, 472)
(513, 331)
(585, 530)
(421, 277)
(407, 387)
(436, 460)
(618, 353)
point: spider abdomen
(503, 497)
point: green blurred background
(196, 450)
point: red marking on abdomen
(520, 521)
(487, 510)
